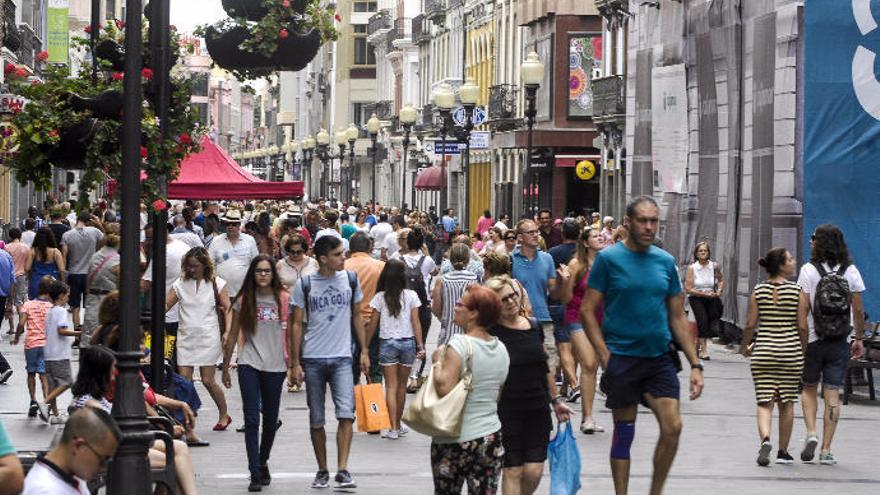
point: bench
(868, 362)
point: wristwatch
(697, 366)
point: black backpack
(416, 281)
(832, 303)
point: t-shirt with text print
(328, 331)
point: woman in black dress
(528, 394)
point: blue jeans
(259, 389)
(336, 372)
(397, 351)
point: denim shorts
(628, 379)
(397, 351)
(826, 360)
(337, 373)
(34, 361)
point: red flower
(88, 29)
(120, 24)
(35, 82)
(285, 3)
(147, 73)
(43, 56)
(143, 152)
(20, 72)
(61, 188)
(117, 76)
(338, 17)
(9, 68)
(53, 133)
(184, 138)
(283, 34)
(159, 205)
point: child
(395, 312)
(57, 351)
(33, 318)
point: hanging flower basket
(75, 122)
(293, 53)
(254, 10)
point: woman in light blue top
(476, 455)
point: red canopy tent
(213, 174)
(429, 179)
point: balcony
(421, 29)
(609, 105)
(435, 11)
(12, 38)
(384, 109)
(613, 10)
(29, 43)
(502, 108)
(379, 22)
(402, 30)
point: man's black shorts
(77, 283)
(627, 379)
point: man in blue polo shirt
(535, 270)
(644, 311)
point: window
(363, 52)
(359, 114)
(365, 5)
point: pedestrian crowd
(306, 297)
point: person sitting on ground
(88, 443)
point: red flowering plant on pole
(70, 122)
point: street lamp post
(308, 155)
(468, 94)
(407, 116)
(340, 137)
(352, 133)
(323, 140)
(444, 99)
(531, 73)
(373, 126)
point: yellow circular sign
(585, 170)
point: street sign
(451, 148)
(478, 117)
(479, 140)
(539, 164)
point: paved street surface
(717, 452)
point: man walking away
(7, 280)
(644, 311)
(834, 288)
(77, 246)
(330, 301)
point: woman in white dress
(199, 339)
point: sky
(187, 14)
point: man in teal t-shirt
(11, 474)
(644, 310)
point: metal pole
(443, 192)
(159, 33)
(466, 163)
(406, 131)
(130, 470)
(373, 173)
(351, 169)
(95, 26)
(531, 202)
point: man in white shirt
(232, 252)
(390, 247)
(827, 357)
(378, 233)
(184, 235)
(174, 252)
(87, 446)
(329, 228)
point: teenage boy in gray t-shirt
(328, 300)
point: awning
(429, 179)
(572, 160)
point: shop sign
(585, 170)
(11, 103)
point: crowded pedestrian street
(387, 247)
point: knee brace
(624, 432)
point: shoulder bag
(221, 314)
(435, 416)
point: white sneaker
(390, 434)
(402, 431)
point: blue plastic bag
(565, 462)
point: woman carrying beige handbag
(476, 454)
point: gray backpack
(832, 304)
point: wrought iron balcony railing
(379, 21)
(435, 11)
(608, 97)
(421, 29)
(402, 30)
(382, 109)
(502, 107)
(29, 43)
(12, 37)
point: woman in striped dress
(449, 289)
(777, 356)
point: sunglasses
(510, 238)
(509, 298)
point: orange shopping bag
(372, 411)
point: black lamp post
(531, 73)
(408, 115)
(130, 470)
(373, 126)
(444, 99)
(352, 134)
(323, 140)
(340, 138)
(468, 93)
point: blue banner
(842, 129)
